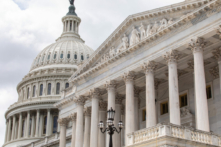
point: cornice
(141, 16)
(81, 73)
(64, 101)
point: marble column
(136, 108)
(202, 117)
(117, 119)
(28, 124)
(48, 122)
(151, 118)
(6, 131)
(111, 92)
(129, 81)
(94, 93)
(73, 120)
(16, 129)
(20, 126)
(37, 123)
(32, 124)
(9, 129)
(80, 101)
(88, 129)
(13, 128)
(174, 105)
(102, 117)
(63, 124)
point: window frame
(58, 91)
(48, 88)
(188, 100)
(41, 90)
(212, 92)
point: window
(41, 90)
(164, 108)
(43, 58)
(49, 57)
(82, 57)
(75, 56)
(49, 89)
(68, 56)
(144, 115)
(70, 25)
(38, 59)
(58, 88)
(28, 93)
(23, 128)
(183, 100)
(208, 91)
(45, 125)
(55, 55)
(66, 85)
(29, 131)
(87, 56)
(34, 91)
(61, 56)
(55, 124)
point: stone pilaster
(197, 45)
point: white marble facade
(160, 70)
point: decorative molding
(171, 56)
(149, 67)
(111, 84)
(128, 76)
(197, 44)
(95, 93)
(73, 116)
(63, 121)
(64, 101)
(80, 100)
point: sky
(28, 26)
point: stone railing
(170, 130)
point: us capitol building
(159, 70)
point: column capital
(197, 44)
(111, 84)
(119, 99)
(95, 93)
(190, 64)
(73, 116)
(171, 56)
(103, 105)
(80, 100)
(149, 67)
(218, 32)
(87, 111)
(63, 121)
(217, 53)
(128, 76)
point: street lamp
(110, 125)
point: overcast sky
(27, 26)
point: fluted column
(136, 108)
(111, 92)
(28, 124)
(94, 93)
(202, 117)
(32, 124)
(48, 122)
(20, 126)
(13, 127)
(102, 117)
(171, 58)
(63, 124)
(87, 128)
(37, 123)
(117, 118)
(80, 101)
(151, 118)
(73, 120)
(9, 130)
(129, 81)
(6, 131)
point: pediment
(141, 29)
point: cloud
(27, 26)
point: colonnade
(31, 124)
(131, 110)
(71, 26)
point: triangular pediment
(143, 28)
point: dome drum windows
(75, 56)
(49, 56)
(82, 56)
(49, 88)
(34, 88)
(66, 85)
(68, 55)
(41, 90)
(61, 56)
(58, 88)
(55, 55)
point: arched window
(41, 90)
(55, 124)
(66, 85)
(49, 57)
(82, 57)
(49, 88)
(55, 55)
(43, 58)
(23, 128)
(75, 56)
(45, 125)
(61, 56)
(34, 91)
(68, 56)
(28, 93)
(58, 88)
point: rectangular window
(164, 108)
(183, 100)
(209, 91)
(144, 115)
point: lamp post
(110, 125)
